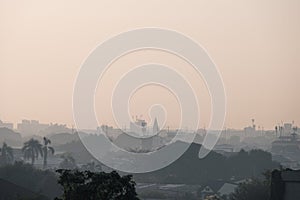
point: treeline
(43, 182)
(32, 150)
(190, 169)
(63, 184)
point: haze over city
(150, 100)
(254, 44)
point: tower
(155, 127)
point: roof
(207, 189)
(214, 185)
(227, 189)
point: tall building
(139, 127)
(155, 127)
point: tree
(68, 162)
(46, 149)
(255, 189)
(24, 175)
(88, 185)
(32, 149)
(7, 155)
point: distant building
(287, 128)
(32, 127)
(139, 127)
(109, 131)
(55, 129)
(6, 125)
(286, 144)
(250, 130)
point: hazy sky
(254, 43)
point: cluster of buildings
(283, 142)
(139, 128)
(6, 125)
(286, 147)
(139, 136)
(282, 138)
(34, 127)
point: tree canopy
(32, 149)
(86, 185)
(253, 189)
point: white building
(31, 127)
(6, 125)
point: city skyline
(149, 100)
(251, 124)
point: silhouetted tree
(7, 155)
(254, 189)
(32, 149)
(277, 185)
(192, 170)
(88, 185)
(46, 149)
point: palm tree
(7, 155)
(47, 148)
(32, 149)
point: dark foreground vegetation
(88, 185)
(24, 182)
(19, 180)
(40, 182)
(189, 169)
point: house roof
(227, 189)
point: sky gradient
(255, 45)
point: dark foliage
(190, 169)
(277, 186)
(88, 185)
(28, 177)
(254, 189)
(6, 155)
